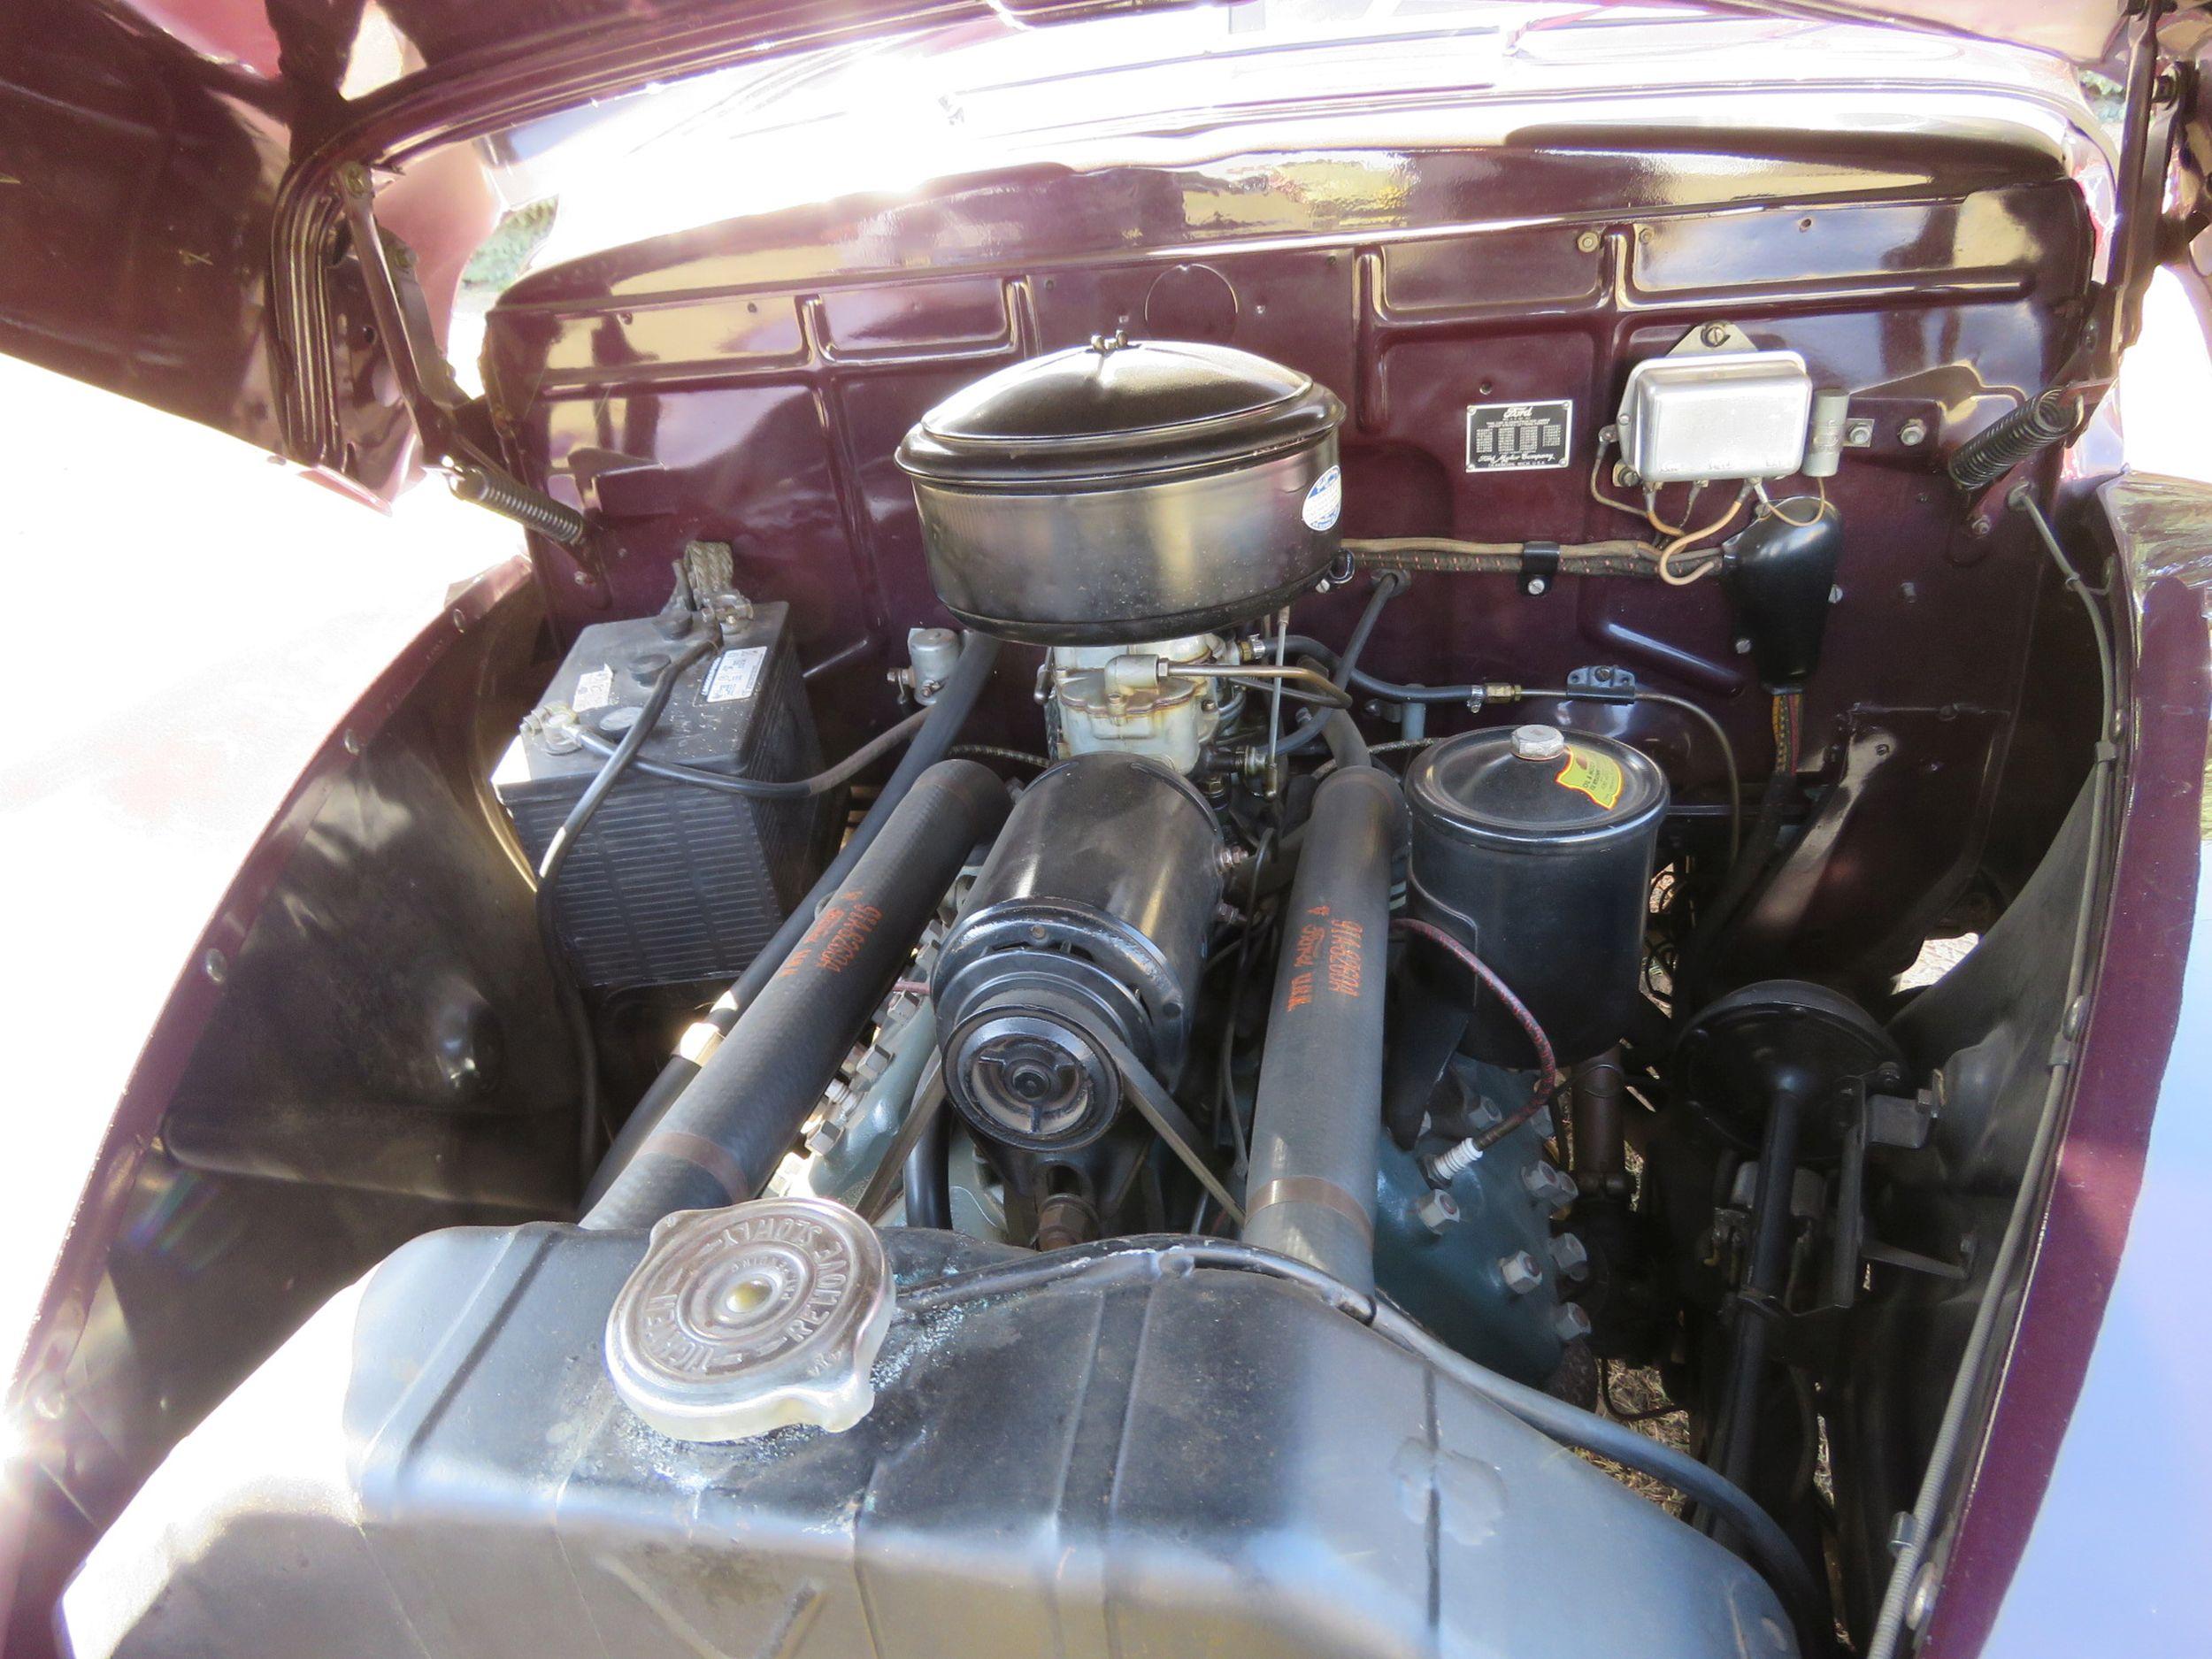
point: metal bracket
(1603, 683)
(1708, 338)
(434, 397)
(1911, 1261)
(1540, 567)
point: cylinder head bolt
(746, 1320)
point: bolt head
(1519, 1272)
(1743, 647)
(1835, 595)
(1549, 1185)
(1921, 1603)
(1978, 526)
(1436, 1210)
(1912, 433)
(1537, 585)
(216, 965)
(1713, 334)
(351, 742)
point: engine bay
(1366, 927)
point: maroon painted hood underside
(438, 33)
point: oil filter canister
(1534, 848)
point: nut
(1547, 1184)
(1570, 1322)
(1437, 1210)
(1519, 1272)
(1569, 1255)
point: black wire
(556, 853)
(1605, 1391)
(1720, 741)
(773, 790)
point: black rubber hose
(939, 730)
(776, 789)
(556, 851)
(1340, 733)
(722, 1138)
(929, 1175)
(1388, 585)
(1360, 679)
(1738, 1419)
(1310, 1193)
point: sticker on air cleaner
(1323, 501)
(1519, 437)
(1591, 773)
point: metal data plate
(1716, 415)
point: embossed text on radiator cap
(746, 1320)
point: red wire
(1546, 1061)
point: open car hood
(402, 40)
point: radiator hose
(939, 730)
(1310, 1193)
(720, 1140)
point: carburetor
(1128, 699)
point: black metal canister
(1534, 848)
(1126, 490)
(1089, 917)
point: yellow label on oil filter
(1591, 773)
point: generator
(671, 883)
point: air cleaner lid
(1119, 410)
(743, 1320)
(1534, 783)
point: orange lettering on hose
(1345, 939)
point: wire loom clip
(1540, 568)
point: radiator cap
(746, 1320)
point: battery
(674, 882)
